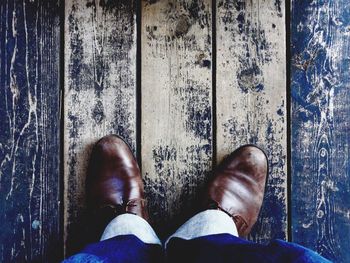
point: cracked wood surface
(29, 131)
(176, 123)
(100, 94)
(251, 97)
(320, 127)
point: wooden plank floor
(185, 82)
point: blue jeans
(210, 236)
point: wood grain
(176, 106)
(29, 131)
(320, 127)
(251, 96)
(100, 92)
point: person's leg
(233, 199)
(211, 236)
(114, 187)
(127, 238)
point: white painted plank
(251, 96)
(100, 92)
(176, 106)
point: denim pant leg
(127, 238)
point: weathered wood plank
(251, 96)
(100, 92)
(29, 131)
(320, 127)
(176, 106)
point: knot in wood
(182, 26)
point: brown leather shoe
(114, 180)
(238, 186)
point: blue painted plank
(320, 126)
(29, 131)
